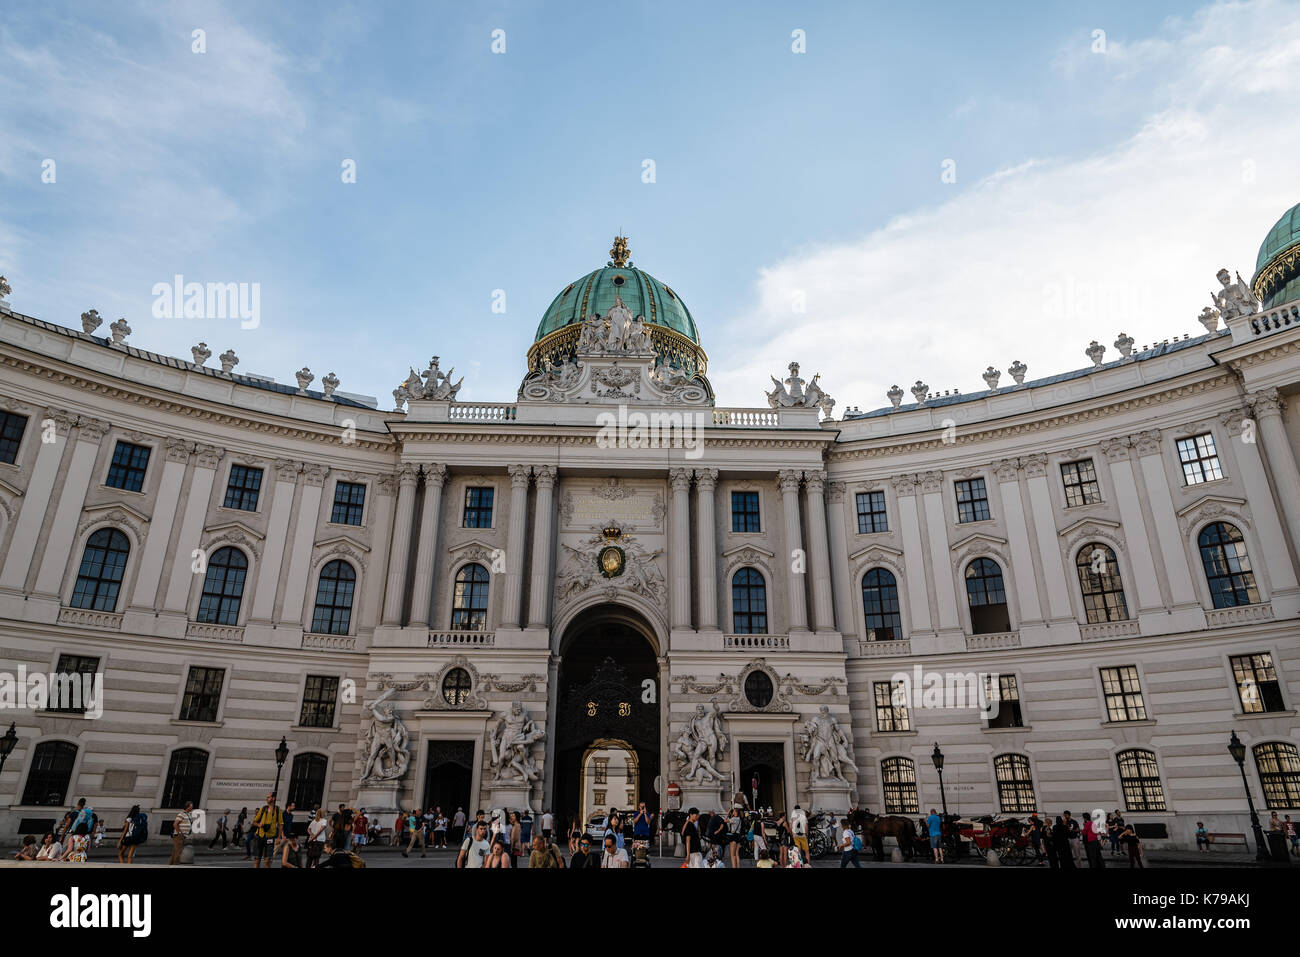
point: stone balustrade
(756, 642)
(1099, 631)
(462, 639)
(87, 618)
(206, 632)
(1001, 639)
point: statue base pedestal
(830, 794)
(379, 798)
(511, 796)
(702, 797)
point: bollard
(991, 857)
(895, 856)
(187, 853)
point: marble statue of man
(515, 733)
(701, 742)
(1235, 298)
(384, 740)
(827, 748)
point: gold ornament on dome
(619, 253)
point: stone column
(936, 523)
(1160, 506)
(1137, 536)
(1041, 517)
(797, 597)
(839, 555)
(539, 591)
(679, 549)
(149, 581)
(422, 591)
(914, 557)
(277, 535)
(511, 606)
(297, 582)
(1269, 406)
(54, 562)
(1028, 608)
(31, 513)
(823, 612)
(706, 547)
(400, 552)
(197, 502)
(1268, 523)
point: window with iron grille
(972, 501)
(898, 776)
(243, 487)
(1278, 763)
(349, 503)
(1005, 690)
(1099, 581)
(1199, 459)
(478, 507)
(185, 775)
(1015, 784)
(202, 694)
(1140, 780)
(12, 427)
(307, 780)
(880, 605)
(129, 465)
(744, 512)
(1257, 684)
(319, 696)
(50, 774)
(748, 603)
(223, 587)
(82, 667)
(1227, 566)
(1123, 693)
(891, 706)
(456, 687)
(102, 565)
(1080, 480)
(334, 593)
(871, 513)
(470, 598)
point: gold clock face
(610, 560)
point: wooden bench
(1226, 837)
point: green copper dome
(1277, 268)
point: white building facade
(459, 604)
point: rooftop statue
(1235, 298)
(792, 394)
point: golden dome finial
(619, 253)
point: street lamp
(1238, 752)
(281, 754)
(937, 758)
(7, 745)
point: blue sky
(1095, 192)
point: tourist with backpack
(850, 845)
(134, 831)
(268, 825)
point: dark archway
(607, 656)
(448, 777)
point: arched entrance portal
(607, 712)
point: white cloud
(1038, 259)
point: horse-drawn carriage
(1007, 837)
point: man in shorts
(268, 825)
(799, 830)
(934, 824)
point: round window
(456, 687)
(758, 689)
(619, 280)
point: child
(640, 856)
(1202, 838)
(764, 860)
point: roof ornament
(991, 377)
(619, 253)
(1235, 298)
(90, 321)
(120, 331)
(800, 393)
(5, 289)
(1018, 370)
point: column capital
(1146, 443)
(706, 480)
(905, 484)
(1034, 465)
(407, 475)
(1115, 450)
(90, 428)
(519, 475)
(315, 474)
(1234, 420)
(1268, 402)
(1006, 470)
(815, 482)
(932, 481)
(209, 456)
(286, 470)
(61, 419)
(681, 479)
(544, 475)
(434, 474)
(788, 479)
(178, 450)
(835, 492)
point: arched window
(898, 775)
(1140, 779)
(333, 615)
(1227, 567)
(880, 604)
(1103, 592)
(987, 597)
(1015, 784)
(223, 587)
(102, 565)
(748, 603)
(469, 601)
(185, 776)
(1278, 763)
(456, 687)
(307, 782)
(50, 774)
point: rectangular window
(1257, 684)
(318, 699)
(1004, 690)
(128, 468)
(871, 513)
(12, 427)
(478, 507)
(972, 501)
(744, 512)
(242, 489)
(1199, 459)
(1123, 694)
(349, 503)
(202, 694)
(891, 707)
(1080, 480)
(602, 771)
(69, 696)
(599, 798)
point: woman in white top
(51, 849)
(316, 837)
